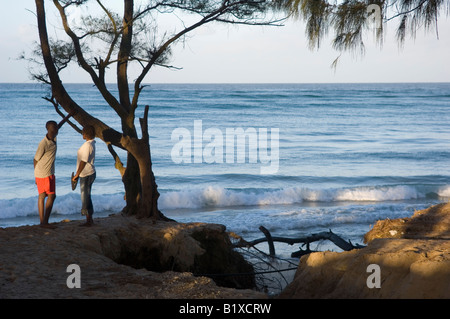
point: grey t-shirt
(45, 158)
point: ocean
(311, 157)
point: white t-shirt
(86, 153)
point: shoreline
(33, 220)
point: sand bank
(34, 260)
(410, 257)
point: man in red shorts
(44, 171)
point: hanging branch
(118, 163)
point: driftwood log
(329, 235)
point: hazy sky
(230, 54)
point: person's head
(88, 132)
(52, 129)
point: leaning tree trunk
(141, 201)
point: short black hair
(50, 123)
(89, 130)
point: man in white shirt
(86, 172)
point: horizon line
(252, 83)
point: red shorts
(46, 184)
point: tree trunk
(148, 201)
(131, 185)
(139, 181)
(140, 184)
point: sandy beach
(34, 260)
(413, 253)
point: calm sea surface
(341, 156)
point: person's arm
(79, 170)
(64, 120)
(39, 153)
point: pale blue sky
(230, 54)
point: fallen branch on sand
(337, 240)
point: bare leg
(45, 209)
(41, 204)
(89, 221)
(49, 207)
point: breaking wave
(219, 197)
(214, 196)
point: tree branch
(116, 34)
(65, 118)
(337, 240)
(124, 54)
(118, 163)
(59, 93)
(421, 3)
(207, 17)
(164, 47)
(112, 101)
(144, 124)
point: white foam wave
(219, 197)
(64, 205)
(444, 191)
(214, 196)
